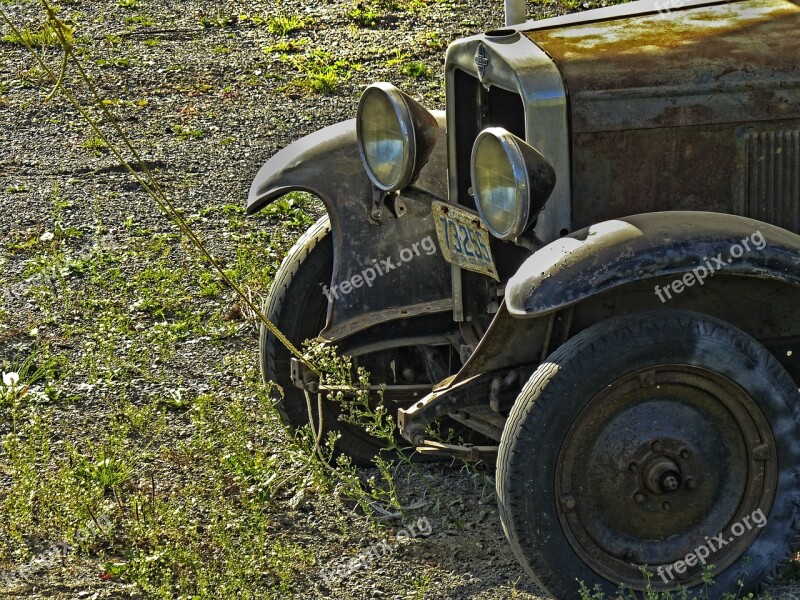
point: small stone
(299, 501)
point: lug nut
(656, 446)
(633, 466)
(691, 484)
(639, 497)
(568, 501)
(684, 453)
(666, 506)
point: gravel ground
(248, 104)
(206, 105)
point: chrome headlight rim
(405, 121)
(509, 143)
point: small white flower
(34, 332)
(10, 379)
(47, 236)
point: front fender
(614, 253)
(327, 164)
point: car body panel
(327, 164)
(702, 65)
(650, 246)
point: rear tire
(639, 440)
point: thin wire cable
(152, 187)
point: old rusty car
(591, 260)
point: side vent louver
(773, 178)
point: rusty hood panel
(723, 63)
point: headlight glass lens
(383, 139)
(496, 187)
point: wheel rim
(658, 464)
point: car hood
(674, 64)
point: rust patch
(712, 64)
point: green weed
(220, 21)
(364, 15)
(283, 25)
(286, 47)
(106, 471)
(369, 13)
(45, 36)
(121, 63)
(184, 132)
(321, 73)
(433, 40)
(141, 19)
(96, 145)
(417, 70)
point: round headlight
(511, 182)
(395, 136)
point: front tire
(642, 439)
(297, 305)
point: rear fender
(327, 164)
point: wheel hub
(656, 462)
(662, 475)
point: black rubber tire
(297, 305)
(574, 374)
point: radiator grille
(773, 178)
(476, 109)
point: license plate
(464, 239)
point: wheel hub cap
(656, 464)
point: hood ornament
(481, 60)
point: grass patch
(417, 70)
(286, 47)
(364, 15)
(433, 40)
(218, 20)
(185, 132)
(96, 145)
(371, 12)
(127, 312)
(140, 19)
(119, 63)
(283, 25)
(321, 73)
(45, 36)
